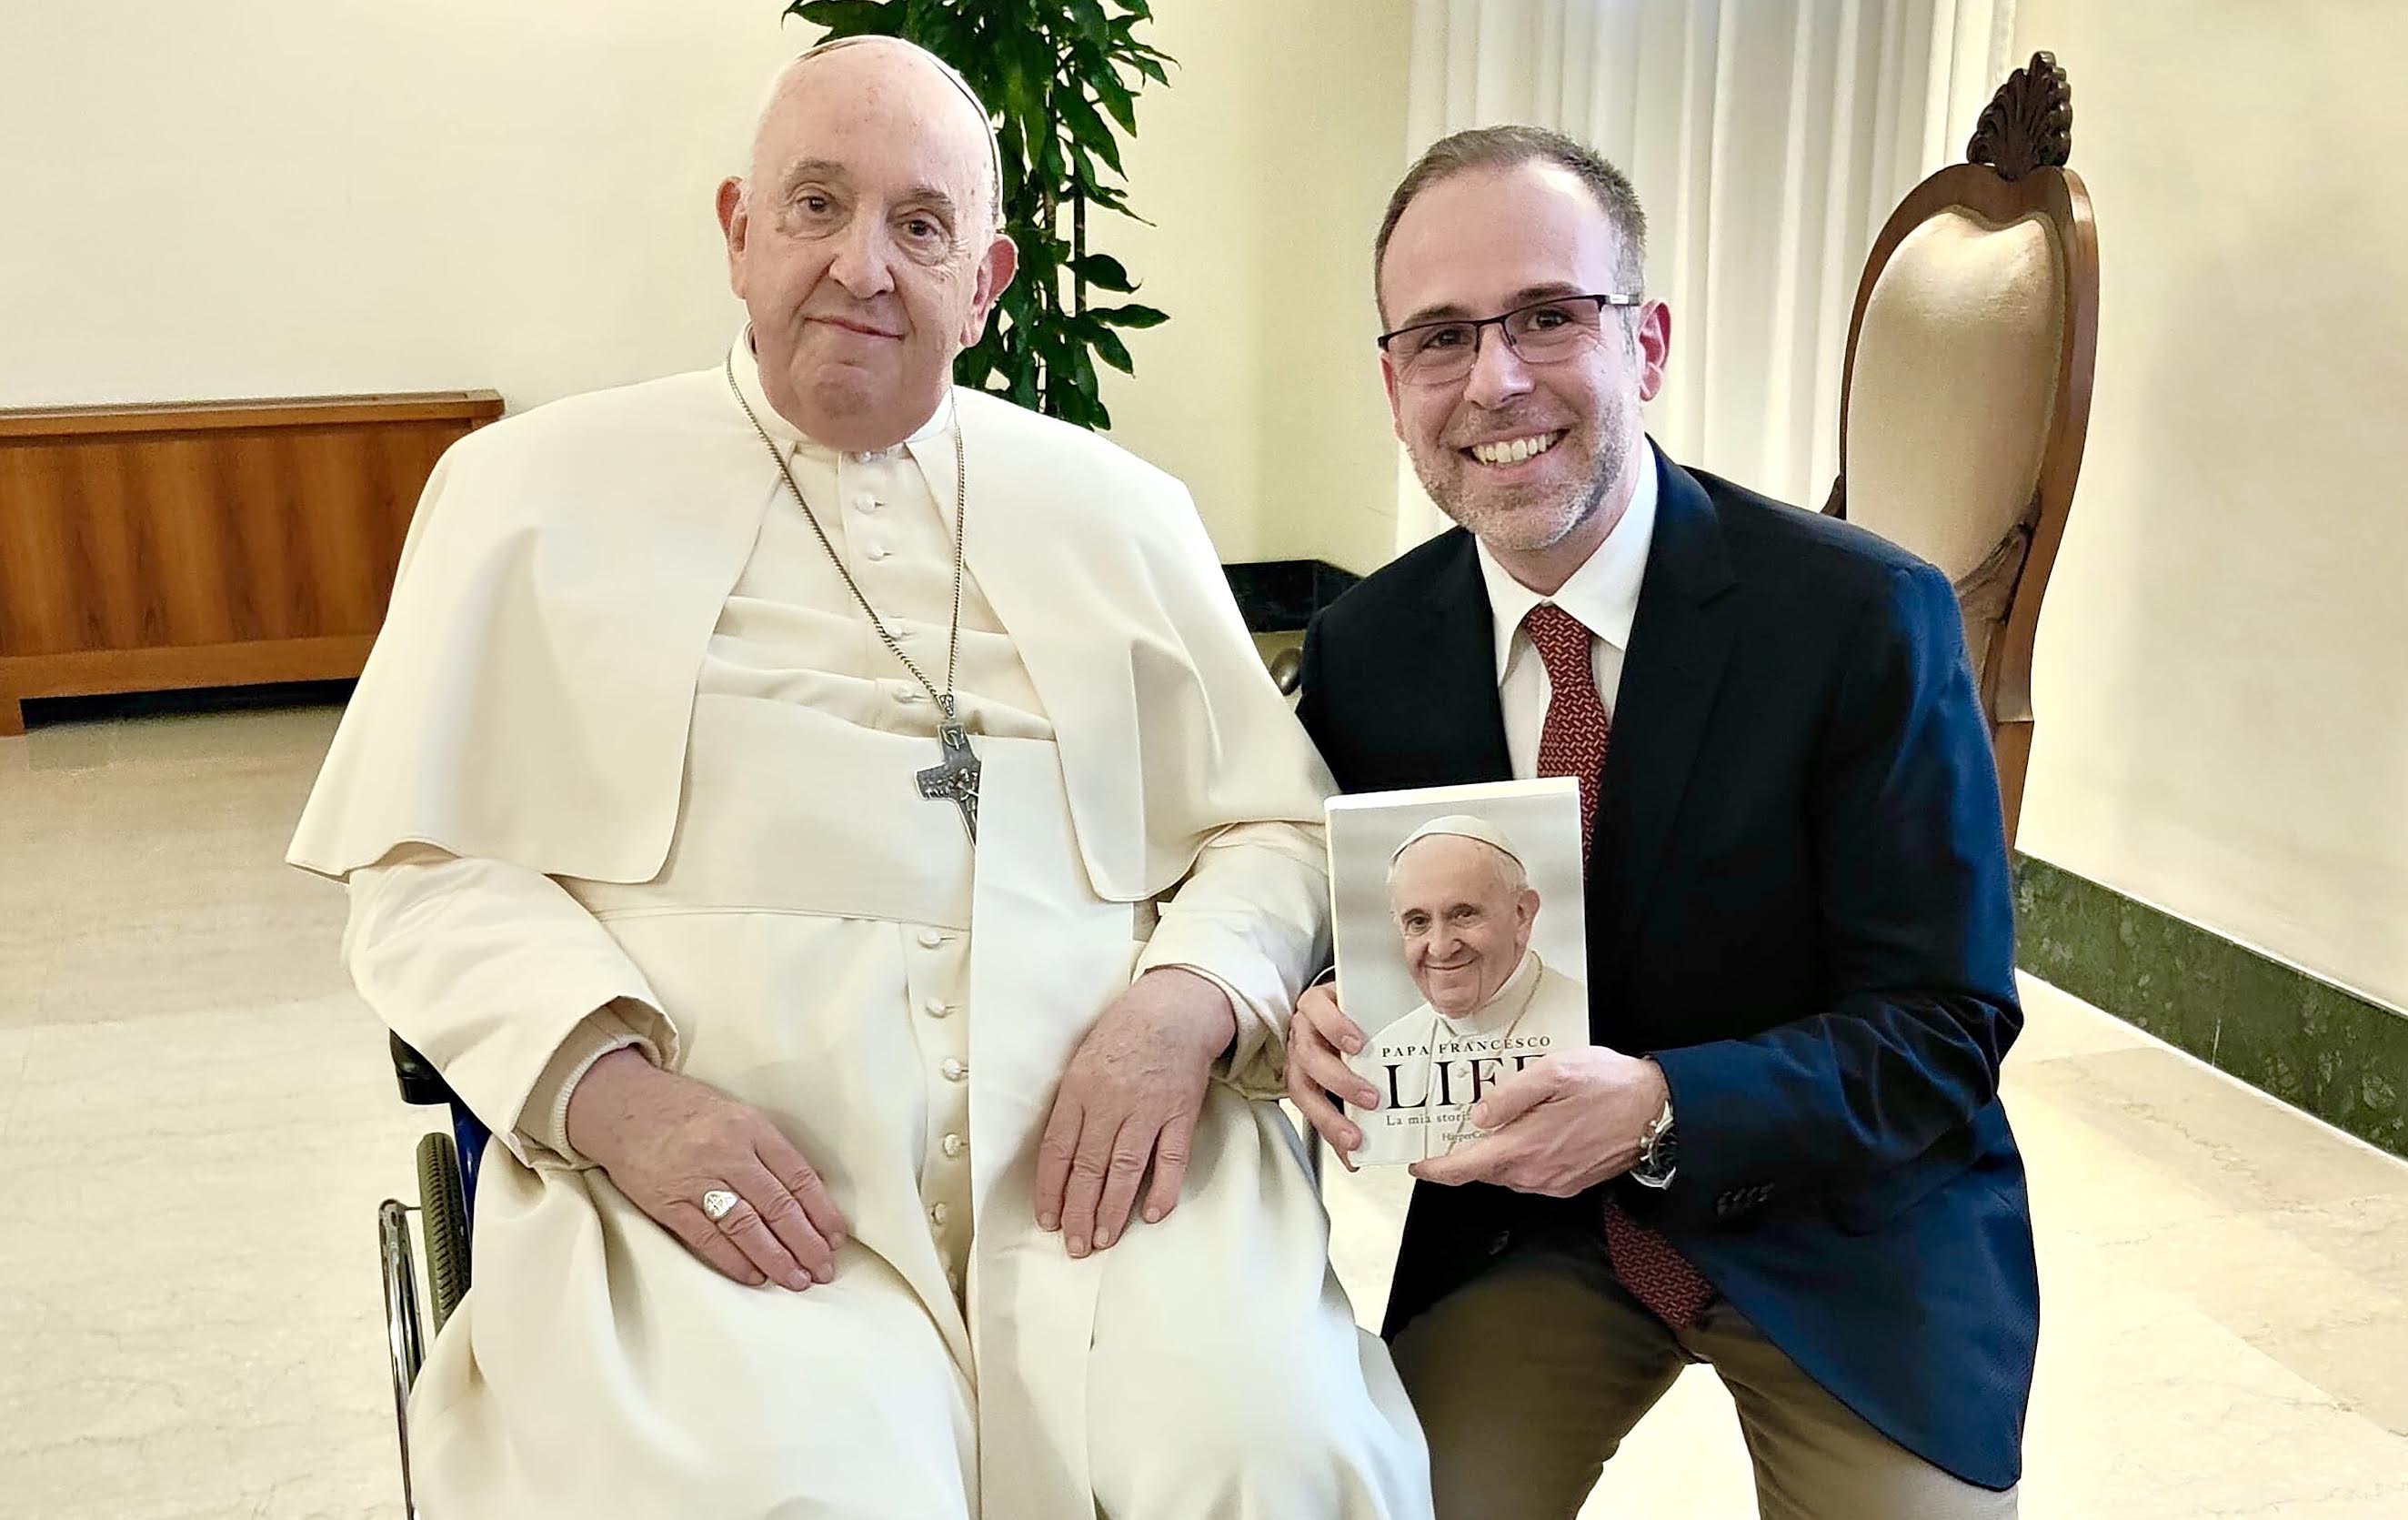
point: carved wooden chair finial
(2028, 124)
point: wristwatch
(1659, 1151)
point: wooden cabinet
(148, 548)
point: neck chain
(956, 778)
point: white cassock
(629, 764)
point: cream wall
(2222, 677)
(288, 197)
(1264, 169)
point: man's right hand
(1316, 1068)
(666, 1139)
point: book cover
(1461, 946)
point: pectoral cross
(956, 779)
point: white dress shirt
(1603, 594)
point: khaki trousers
(1526, 1380)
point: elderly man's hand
(1130, 1098)
(1319, 1039)
(1558, 1127)
(665, 1139)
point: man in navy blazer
(1784, 1153)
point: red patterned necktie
(1573, 743)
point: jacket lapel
(1460, 675)
(1679, 642)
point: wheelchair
(447, 1191)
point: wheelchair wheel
(443, 1217)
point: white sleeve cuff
(544, 1120)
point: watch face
(1661, 1153)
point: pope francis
(836, 830)
(1464, 910)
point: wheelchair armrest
(419, 1081)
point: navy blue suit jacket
(1799, 904)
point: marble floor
(196, 1119)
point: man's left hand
(1558, 1127)
(1130, 1100)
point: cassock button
(939, 1213)
(954, 1070)
(937, 1008)
(954, 1145)
(865, 503)
(907, 695)
(930, 939)
(879, 552)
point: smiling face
(863, 245)
(1464, 912)
(1533, 458)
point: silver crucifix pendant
(956, 779)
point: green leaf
(1110, 349)
(1104, 272)
(1091, 411)
(1091, 182)
(1022, 103)
(1128, 316)
(1091, 19)
(1022, 385)
(1087, 129)
(950, 34)
(1117, 99)
(851, 18)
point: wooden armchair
(1967, 392)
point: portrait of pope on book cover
(1460, 952)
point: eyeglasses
(1542, 333)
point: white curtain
(1769, 141)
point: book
(1462, 949)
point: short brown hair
(1509, 147)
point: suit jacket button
(1497, 1245)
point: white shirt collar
(748, 381)
(1603, 594)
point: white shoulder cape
(529, 698)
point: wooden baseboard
(104, 672)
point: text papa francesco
(1459, 1080)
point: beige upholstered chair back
(1968, 385)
